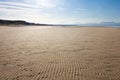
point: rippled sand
(59, 53)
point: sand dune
(59, 53)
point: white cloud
(45, 3)
(30, 12)
(15, 4)
(12, 10)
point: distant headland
(18, 22)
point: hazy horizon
(61, 11)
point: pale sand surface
(59, 53)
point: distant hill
(110, 23)
(101, 24)
(17, 22)
(21, 22)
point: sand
(59, 53)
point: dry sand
(59, 53)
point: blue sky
(61, 11)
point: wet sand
(59, 53)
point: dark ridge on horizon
(18, 22)
(22, 22)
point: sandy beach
(59, 53)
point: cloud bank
(50, 11)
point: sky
(61, 11)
